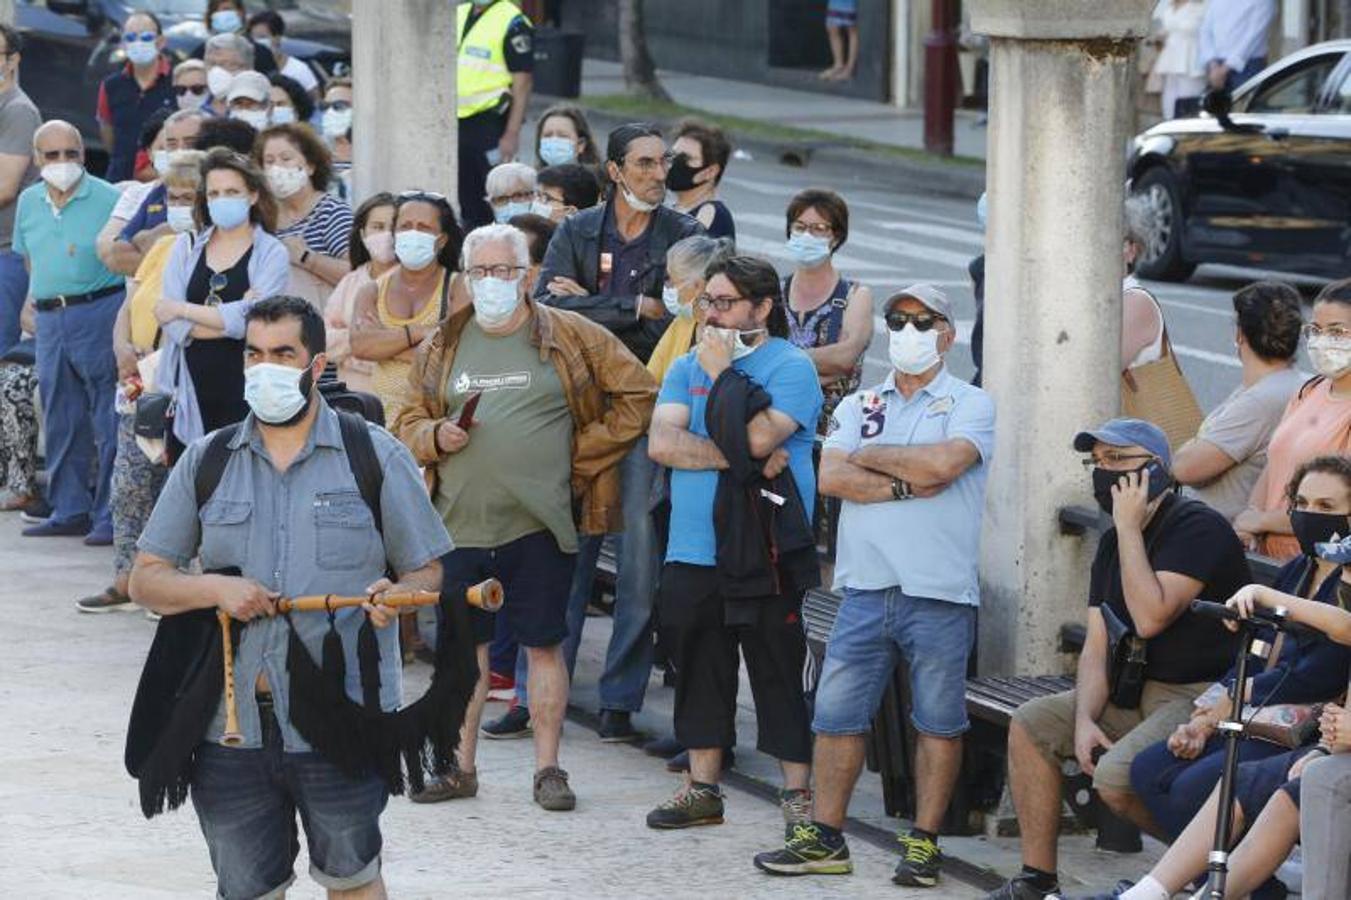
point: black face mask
(1105, 479)
(306, 387)
(1313, 528)
(680, 177)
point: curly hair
(1339, 466)
(1270, 318)
(303, 138)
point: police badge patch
(521, 43)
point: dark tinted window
(1296, 90)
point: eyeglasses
(71, 155)
(336, 105)
(924, 321)
(501, 273)
(217, 283)
(721, 304)
(1335, 331)
(648, 164)
(816, 229)
(1112, 460)
(132, 37)
(518, 197)
(197, 90)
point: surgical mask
(542, 209)
(179, 218)
(225, 20)
(335, 122)
(278, 395)
(1105, 479)
(141, 53)
(912, 351)
(161, 162)
(808, 249)
(510, 210)
(218, 80)
(380, 245)
(415, 249)
(254, 117)
(283, 115)
(188, 100)
(228, 212)
(495, 300)
(1331, 356)
(286, 181)
(62, 175)
(1313, 528)
(740, 348)
(555, 151)
(641, 206)
(670, 296)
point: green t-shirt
(514, 477)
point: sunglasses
(197, 90)
(132, 37)
(218, 282)
(58, 155)
(896, 321)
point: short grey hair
(1138, 221)
(690, 258)
(495, 234)
(242, 46)
(189, 65)
(184, 115)
(504, 177)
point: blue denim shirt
(302, 531)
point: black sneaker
(807, 852)
(689, 807)
(921, 862)
(616, 727)
(1022, 888)
(514, 723)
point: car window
(1295, 90)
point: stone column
(1060, 108)
(403, 70)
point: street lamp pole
(940, 80)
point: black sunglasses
(194, 89)
(924, 321)
(217, 283)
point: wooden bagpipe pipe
(190, 667)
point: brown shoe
(454, 785)
(110, 600)
(552, 791)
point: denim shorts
(842, 13)
(247, 800)
(873, 632)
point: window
(1296, 90)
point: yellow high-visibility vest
(481, 67)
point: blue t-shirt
(789, 376)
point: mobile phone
(467, 411)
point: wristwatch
(900, 490)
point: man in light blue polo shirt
(56, 225)
(908, 458)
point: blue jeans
(77, 376)
(873, 631)
(13, 292)
(628, 660)
(1251, 68)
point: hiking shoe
(796, 805)
(1022, 888)
(681, 761)
(616, 727)
(552, 791)
(454, 785)
(501, 687)
(110, 600)
(690, 806)
(807, 851)
(514, 723)
(921, 861)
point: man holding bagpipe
(273, 685)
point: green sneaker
(690, 806)
(807, 852)
(921, 862)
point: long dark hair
(589, 156)
(357, 253)
(755, 278)
(449, 257)
(263, 212)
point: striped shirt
(326, 229)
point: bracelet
(305, 257)
(408, 336)
(900, 490)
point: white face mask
(218, 80)
(740, 348)
(634, 203)
(62, 175)
(495, 300)
(1331, 356)
(274, 392)
(189, 100)
(255, 117)
(912, 351)
(179, 218)
(161, 162)
(286, 181)
(670, 297)
(283, 115)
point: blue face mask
(141, 53)
(228, 212)
(415, 249)
(226, 20)
(807, 249)
(504, 214)
(555, 151)
(495, 300)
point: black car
(1263, 182)
(71, 45)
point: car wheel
(1162, 259)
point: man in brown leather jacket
(521, 470)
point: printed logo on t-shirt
(874, 414)
(466, 383)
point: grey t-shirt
(1241, 426)
(19, 118)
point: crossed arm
(865, 475)
(672, 444)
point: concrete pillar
(1060, 108)
(403, 79)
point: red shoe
(501, 687)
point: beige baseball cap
(250, 85)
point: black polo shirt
(1194, 540)
(125, 108)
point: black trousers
(478, 137)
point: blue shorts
(842, 13)
(536, 577)
(876, 629)
(1259, 781)
(247, 800)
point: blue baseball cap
(1127, 433)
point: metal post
(940, 81)
(1232, 731)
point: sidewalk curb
(836, 162)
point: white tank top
(1154, 349)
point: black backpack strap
(365, 465)
(212, 465)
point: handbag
(1127, 656)
(1158, 392)
(1291, 725)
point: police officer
(495, 59)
